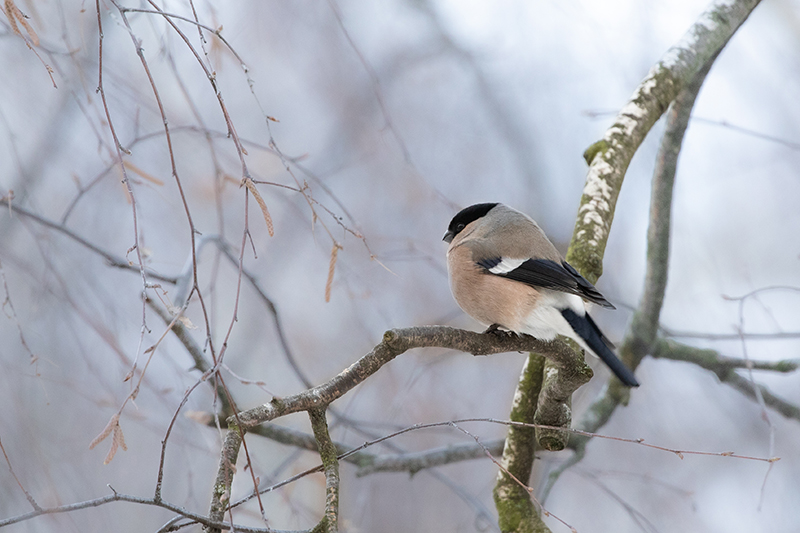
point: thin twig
(522, 485)
(453, 423)
(120, 497)
(13, 315)
(19, 483)
(111, 259)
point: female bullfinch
(504, 272)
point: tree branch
(515, 509)
(394, 343)
(119, 497)
(368, 463)
(725, 369)
(221, 495)
(639, 340)
(414, 462)
(398, 341)
(608, 158)
(111, 259)
(196, 354)
(328, 453)
(673, 82)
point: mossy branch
(221, 495)
(609, 158)
(674, 81)
(330, 463)
(516, 512)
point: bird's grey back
(507, 233)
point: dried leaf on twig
(331, 268)
(136, 170)
(106, 431)
(117, 440)
(261, 203)
(16, 16)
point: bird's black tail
(585, 327)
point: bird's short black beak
(448, 237)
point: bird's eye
(459, 227)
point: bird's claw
(494, 329)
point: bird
(505, 273)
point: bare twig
(681, 454)
(17, 18)
(309, 442)
(724, 368)
(216, 505)
(118, 151)
(775, 336)
(747, 131)
(415, 462)
(375, 81)
(12, 314)
(540, 526)
(120, 497)
(211, 78)
(111, 259)
(200, 363)
(28, 496)
(713, 361)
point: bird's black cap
(464, 217)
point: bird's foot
(494, 329)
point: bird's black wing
(547, 274)
(585, 327)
